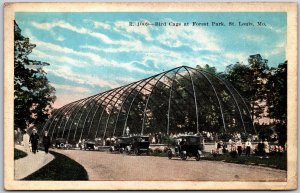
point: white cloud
(126, 79)
(93, 48)
(194, 37)
(81, 30)
(119, 43)
(69, 88)
(279, 48)
(118, 49)
(276, 29)
(130, 66)
(63, 99)
(97, 60)
(60, 38)
(235, 57)
(57, 36)
(253, 38)
(89, 79)
(59, 58)
(101, 25)
(130, 46)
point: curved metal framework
(179, 100)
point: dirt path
(107, 166)
(31, 163)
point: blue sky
(93, 52)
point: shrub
(157, 150)
(233, 154)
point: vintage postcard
(150, 96)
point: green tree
(251, 81)
(33, 95)
(277, 99)
(208, 68)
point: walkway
(31, 163)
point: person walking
(248, 147)
(260, 148)
(46, 141)
(20, 136)
(266, 148)
(26, 139)
(239, 147)
(34, 139)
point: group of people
(262, 148)
(31, 142)
(233, 147)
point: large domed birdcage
(179, 100)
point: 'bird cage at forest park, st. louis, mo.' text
(179, 100)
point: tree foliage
(277, 98)
(264, 89)
(33, 95)
(251, 80)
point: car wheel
(198, 157)
(121, 150)
(183, 156)
(170, 155)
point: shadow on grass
(62, 168)
(274, 161)
(19, 154)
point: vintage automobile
(62, 143)
(187, 146)
(120, 144)
(138, 145)
(89, 145)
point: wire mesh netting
(180, 100)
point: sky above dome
(94, 52)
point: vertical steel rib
(116, 91)
(98, 96)
(217, 99)
(143, 124)
(137, 84)
(98, 106)
(244, 104)
(79, 122)
(115, 102)
(62, 118)
(195, 98)
(127, 114)
(61, 115)
(169, 101)
(54, 116)
(107, 121)
(76, 112)
(234, 101)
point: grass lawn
(19, 154)
(274, 161)
(62, 168)
(278, 162)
